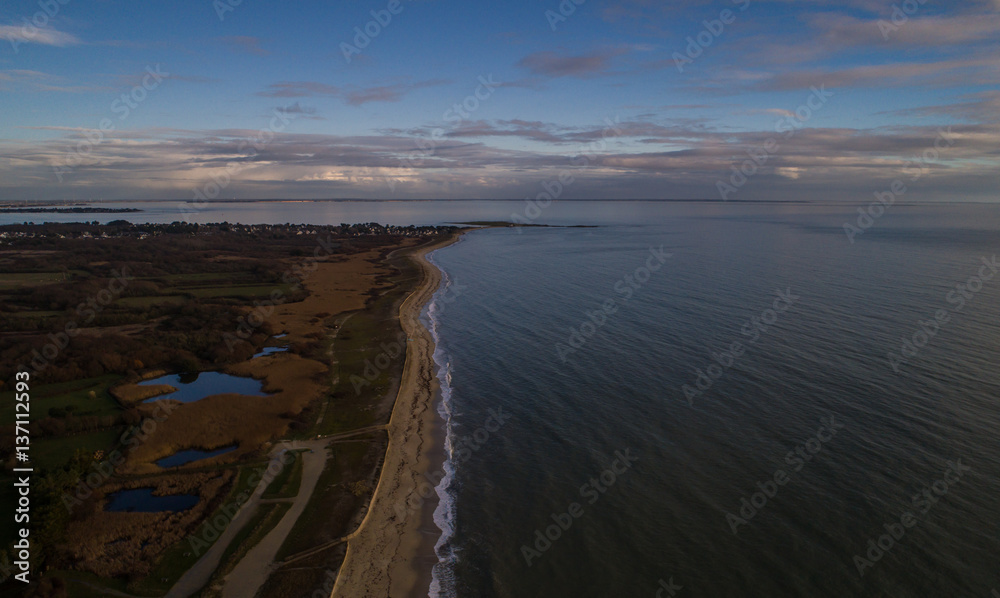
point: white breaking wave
(442, 574)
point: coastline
(387, 554)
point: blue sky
(630, 98)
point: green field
(66, 394)
(13, 280)
(286, 484)
(54, 452)
(202, 277)
(248, 291)
(358, 342)
(145, 302)
(328, 502)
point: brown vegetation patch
(334, 288)
(127, 544)
(130, 394)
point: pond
(141, 500)
(272, 350)
(269, 351)
(192, 455)
(197, 386)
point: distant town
(118, 229)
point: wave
(442, 574)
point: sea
(708, 399)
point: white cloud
(38, 35)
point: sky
(817, 100)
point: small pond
(270, 351)
(192, 455)
(197, 386)
(141, 500)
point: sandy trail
(381, 551)
(252, 571)
(197, 576)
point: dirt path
(312, 466)
(252, 571)
(197, 576)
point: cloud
(298, 89)
(388, 93)
(300, 111)
(46, 36)
(843, 31)
(965, 71)
(551, 64)
(638, 159)
(982, 107)
(37, 81)
(245, 43)
(352, 96)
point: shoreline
(387, 554)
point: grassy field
(54, 452)
(286, 484)
(150, 301)
(87, 585)
(247, 291)
(359, 343)
(329, 501)
(202, 277)
(13, 280)
(74, 395)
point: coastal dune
(381, 552)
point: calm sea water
(545, 391)
(576, 389)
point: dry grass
(130, 394)
(252, 422)
(127, 544)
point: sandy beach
(381, 552)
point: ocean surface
(580, 465)
(643, 408)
